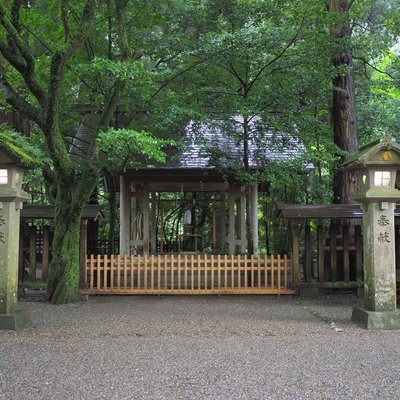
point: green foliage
(126, 148)
(20, 148)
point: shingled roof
(207, 146)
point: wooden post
(214, 228)
(308, 252)
(161, 229)
(124, 216)
(321, 252)
(153, 235)
(346, 253)
(254, 218)
(231, 219)
(223, 224)
(243, 241)
(146, 219)
(45, 253)
(83, 253)
(32, 254)
(333, 251)
(295, 230)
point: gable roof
(220, 144)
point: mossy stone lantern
(13, 162)
(377, 164)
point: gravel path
(198, 348)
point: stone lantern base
(376, 319)
(14, 321)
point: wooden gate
(183, 274)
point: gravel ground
(198, 348)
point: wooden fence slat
(152, 273)
(119, 271)
(146, 262)
(110, 275)
(212, 270)
(132, 273)
(91, 271)
(245, 271)
(159, 272)
(139, 263)
(179, 272)
(192, 271)
(259, 272)
(279, 272)
(219, 271)
(125, 272)
(172, 271)
(105, 260)
(105, 283)
(285, 266)
(186, 272)
(252, 271)
(272, 272)
(198, 272)
(232, 271)
(225, 271)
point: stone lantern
(12, 164)
(377, 164)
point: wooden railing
(184, 274)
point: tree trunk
(343, 108)
(63, 281)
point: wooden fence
(183, 274)
(34, 254)
(327, 245)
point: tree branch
(19, 103)
(278, 56)
(64, 18)
(373, 67)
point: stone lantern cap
(377, 163)
(384, 152)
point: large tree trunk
(343, 108)
(63, 281)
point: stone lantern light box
(377, 163)
(13, 162)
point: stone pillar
(11, 317)
(379, 309)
